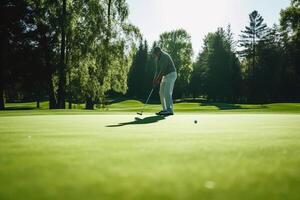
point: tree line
(262, 66)
(80, 51)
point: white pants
(166, 91)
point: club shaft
(149, 96)
(147, 100)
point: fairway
(114, 156)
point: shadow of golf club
(139, 121)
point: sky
(199, 17)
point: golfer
(165, 76)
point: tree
(290, 26)
(234, 66)
(178, 44)
(223, 73)
(256, 32)
(62, 64)
(14, 18)
(197, 85)
(271, 66)
(216, 72)
(46, 38)
(85, 43)
(138, 72)
(101, 41)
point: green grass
(233, 152)
(132, 106)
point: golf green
(115, 156)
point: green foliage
(197, 84)
(290, 26)
(271, 67)
(99, 41)
(290, 19)
(217, 71)
(271, 58)
(263, 60)
(137, 80)
(255, 32)
(22, 71)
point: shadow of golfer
(139, 121)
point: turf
(133, 106)
(227, 154)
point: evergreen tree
(47, 15)
(254, 34)
(15, 20)
(137, 75)
(197, 85)
(150, 72)
(270, 62)
(217, 73)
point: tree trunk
(89, 104)
(38, 104)
(2, 49)
(2, 100)
(62, 69)
(52, 99)
(69, 93)
(106, 53)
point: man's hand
(157, 80)
(155, 83)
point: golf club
(141, 113)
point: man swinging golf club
(165, 76)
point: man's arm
(163, 66)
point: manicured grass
(242, 153)
(132, 106)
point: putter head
(139, 113)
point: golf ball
(195, 121)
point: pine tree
(217, 73)
(255, 32)
(137, 80)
